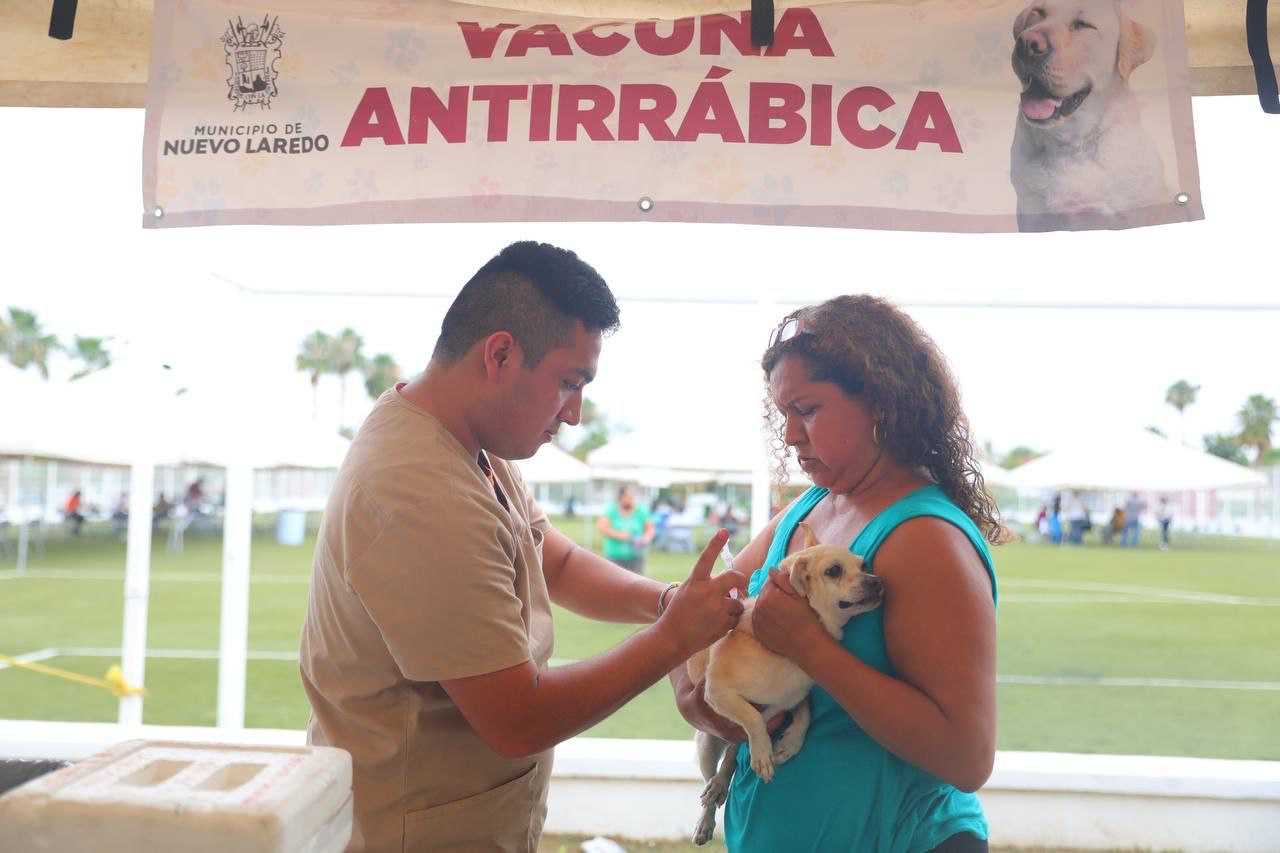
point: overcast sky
(693, 326)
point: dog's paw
(704, 830)
(763, 766)
(714, 792)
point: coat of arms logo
(252, 53)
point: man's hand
(701, 611)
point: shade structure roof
(1136, 459)
(125, 413)
(553, 465)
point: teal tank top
(853, 794)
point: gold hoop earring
(877, 433)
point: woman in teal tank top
(903, 711)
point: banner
(939, 115)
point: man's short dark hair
(536, 292)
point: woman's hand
(783, 620)
(694, 708)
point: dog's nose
(1034, 44)
(873, 582)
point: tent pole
(760, 483)
(1275, 506)
(50, 490)
(137, 587)
(233, 647)
(760, 488)
(11, 498)
(24, 527)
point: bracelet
(662, 598)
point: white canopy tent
(107, 417)
(657, 477)
(553, 465)
(136, 415)
(660, 458)
(707, 452)
(681, 455)
(1131, 460)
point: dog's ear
(1137, 44)
(809, 539)
(799, 572)
(1020, 22)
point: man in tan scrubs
(428, 627)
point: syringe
(727, 556)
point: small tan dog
(747, 683)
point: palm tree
(595, 428)
(1020, 455)
(316, 358)
(1224, 446)
(26, 343)
(347, 355)
(93, 355)
(380, 373)
(1256, 419)
(1180, 395)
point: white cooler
(158, 796)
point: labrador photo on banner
(938, 115)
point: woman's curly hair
(870, 348)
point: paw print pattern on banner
(671, 153)
(169, 74)
(721, 178)
(404, 49)
(484, 193)
(871, 55)
(771, 192)
(950, 192)
(608, 68)
(205, 199)
(345, 73)
(990, 53)
(897, 183)
(930, 74)
(829, 160)
(969, 125)
(362, 185)
(208, 62)
(251, 167)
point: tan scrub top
(422, 575)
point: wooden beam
(105, 64)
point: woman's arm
(939, 625)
